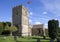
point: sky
(40, 11)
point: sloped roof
(38, 26)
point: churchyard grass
(6, 39)
(24, 39)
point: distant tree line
(6, 28)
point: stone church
(21, 21)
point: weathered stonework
(38, 30)
(20, 20)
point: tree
(1, 27)
(59, 31)
(8, 23)
(53, 26)
(13, 29)
(7, 28)
(6, 31)
(4, 24)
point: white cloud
(56, 19)
(31, 13)
(53, 6)
(45, 25)
(37, 22)
(44, 12)
(30, 20)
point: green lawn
(8, 39)
(24, 39)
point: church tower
(20, 20)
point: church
(20, 19)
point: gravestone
(38, 40)
(58, 39)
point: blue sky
(40, 11)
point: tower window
(16, 13)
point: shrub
(6, 33)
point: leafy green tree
(4, 24)
(1, 27)
(59, 31)
(13, 29)
(8, 23)
(7, 28)
(53, 26)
